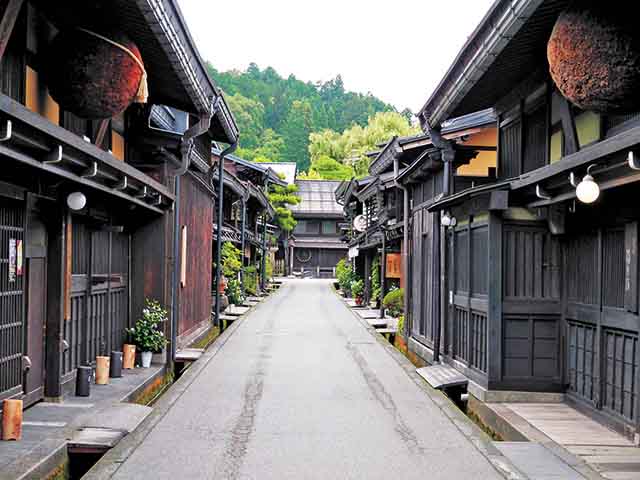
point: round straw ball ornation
(594, 57)
(90, 76)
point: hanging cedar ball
(92, 77)
(594, 57)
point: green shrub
(269, 268)
(234, 292)
(231, 260)
(376, 291)
(394, 302)
(401, 325)
(250, 275)
(357, 288)
(345, 275)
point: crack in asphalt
(376, 387)
(237, 446)
(382, 396)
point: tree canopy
(336, 156)
(276, 115)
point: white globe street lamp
(76, 201)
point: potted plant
(357, 289)
(146, 334)
(394, 302)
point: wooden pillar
(494, 337)
(383, 272)
(57, 308)
(367, 278)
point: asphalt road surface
(302, 390)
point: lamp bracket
(572, 180)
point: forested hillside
(276, 115)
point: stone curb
(479, 439)
(114, 458)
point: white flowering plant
(146, 334)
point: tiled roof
(317, 196)
(288, 169)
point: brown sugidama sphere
(594, 57)
(91, 77)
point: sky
(398, 50)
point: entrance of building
(99, 311)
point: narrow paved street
(303, 390)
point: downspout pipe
(447, 155)
(405, 245)
(242, 241)
(186, 148)
(263, 276)
(227, 151)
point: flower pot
(146, 359)
(222, 286)
(358, 300)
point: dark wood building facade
(541, 281)
(317, 246)
(85, 225)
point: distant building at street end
(317, 245)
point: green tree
(264, 102)
(249, 115)
(329, 169)
(282, 198)
(351, 147)
(296, 131)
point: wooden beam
(568, 127)
(102, 132)
(8, 21)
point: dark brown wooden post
(8, 21)
(568, 127)
(383, 271)
(367, 278)
(56, 304)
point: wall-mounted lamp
(587, 190)
(76, 201)
(448, 221)
(633, 161)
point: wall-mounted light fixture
(448, 221)
(76, 201)
(632, 161)
(587, 190)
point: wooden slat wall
(12, 315)
(196, 213)
(531, 309)
(510, 150)
(602, 331)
